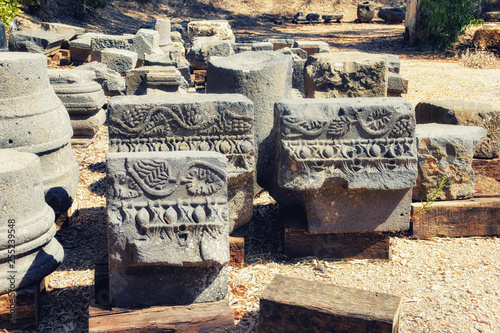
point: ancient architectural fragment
(263, 77)
(119, 60)
(111, 81)
(143, 42)
(69, 31)
(455, 112)
(366, 11)
(352, 161)
(163, 28)
(204, 48)
(219, 28)
(345, 74)
(312, 47)
(154, 80)
(28, 249)
(168, 239)
(33, 119)
(36, 41)
(221, 123)
(392, 14)
(446, 151)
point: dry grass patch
(480, 59)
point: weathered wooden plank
(295, 305)
(198, 317)
(19, 309)
(479, 216)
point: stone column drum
(351, 161)
(27, 229)
(33, 119)
(204, 122)
(168, 240)
(264, 77)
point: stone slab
(478, 216)
(69, 31)
(294, 305)
(119, 60)
(111, 81)
(205, 48)
(87, 124)
(312, 47)
(280, 43)
(36, 41)
(141, 80)
(219, 28)
(204, 317)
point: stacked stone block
(83, 99)
(154, 80)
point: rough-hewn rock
(28, 249)
(35, 120)
(152, 80)
(488, 36)
(392, 14)
(69, 31)
(264, 77)
(366, 11)
(111, 81)
(36, 41)
(143, 42)
(446, 151)
(468, 114)
(221, 123)
(312, 47)
(204, 48)
(168, 239)
(262, 46)
(280, 43)
(80, 49)
(87, 125)
(345, 74)
(219, 28)
(294, 305)
(393, 63)
(118, 60)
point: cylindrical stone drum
(28, 249)
(264, 77)
(33, 119)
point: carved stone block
(346, 74)
(168, 239)
(219, 28)
(204, 122)
(119, 60)
(352, 162)
(154, 79)
(35, 41)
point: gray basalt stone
(350, 162)
(264, 77)
(168, 240)
(152, 80)
(111, 81)
(395, 85)
(393, 63)
(118, 60)
(464, 113)
(87, 125)
(312, 47)
(3, 38)
(345, 74)
(446, 151)
(262, 46)
(163, 28)
(69, 31)
(280, 43)
(36, 41)
(33, 119)
(366, 11)
(143, 42)
(28, 219)
(204, 48)
(77, 90)
(80, 49)
(219, 28)
(208, 122)
(392, 14)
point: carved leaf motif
(154, 174)
(378, 119)
(202, 180)
(310, 127)
(339, 128)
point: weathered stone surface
(3, 38)
(312, 17)
(294, 305)
(392, 14)
(80, 49)
(488, 36)
(118, 60)
(28, 219)
(312, 47)
(263, 77)
(168, 239)
(204, 48)
(262, 46)
(176, 37)
(455, 112)
(280, 43)
(330, 17)
(393, 63)
(111, 81)
(395, 85)
(151, 36)
(446, 151)
(345, 74)
(165, 59)
(366, 11)
(163, 28)
(77, 90)
(36, 41)
(352, 161)
(219, 28)
(154, 79)
(33, 119)
(144, 42)
(221, 123)
(69, 31)
(87, 125)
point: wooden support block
(68, 216)
(479, 216)
(367, 245)
(198, 317)
(488, 168)
(295, 305)
(237, 251)
(19, 310)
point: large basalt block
(33, 119)
(446, 151)
(148, 79)
(312, 47)
(334, 154)
(36, 41)
(204, 48)
(168, 239)
(141, 43)
(345, 74)
(77, 90)
(68, 31)
(119, 60)
(467, 114)
(211, 122)
(28, 249)
(219, 28)
(263, 77)
(111, 81)
(87, 125)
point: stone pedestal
(28, 249)
(204, 122)
(33, 119)
(163, 28)
(446, 151)
(168, 239)
(263, 77)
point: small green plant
(9, 9)
(441, 22)
(431, 198)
